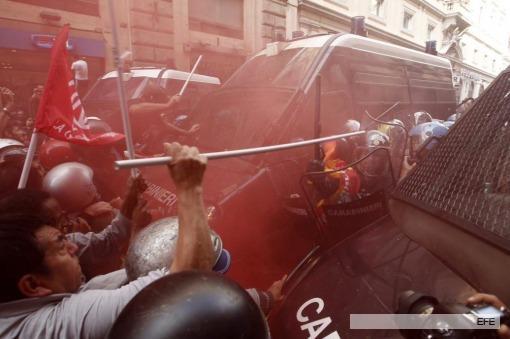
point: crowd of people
(63, 240)
(17, 120)
(52, 286)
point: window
(475, 56)
(377, 8)
(407, 23)
(222, 17)
(494, 65)
(430, 31)
(480, 15)
(88, 7)
(471, 89)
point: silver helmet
(72, 185)
(352, 125)
(98, 126)
(421, 117)
(154, 247)
(11, 147)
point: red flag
(60, 114)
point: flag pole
(28, 160)
(120, 87)
(183, 89)
(157, 161)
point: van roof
(358, 42)
(168, 74)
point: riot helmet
(12, 158)
(154, 248)
(453, 117)
(377, 163)
(395, 133)
(377, 139)
(420, 134)
(351, 125)
(98, 126)
(421, 117)
(55, 152)
(448, 124)
(71, 183)
(11, 148)
(192, 305)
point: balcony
(458, 14)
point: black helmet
(191, 305)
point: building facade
(27, 28)
(471, 33)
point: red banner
(60, 114)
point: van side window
(378, 82)
(430, 87)
(336, 105)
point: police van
(274, 98)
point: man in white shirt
(41, 289)
(81, 75)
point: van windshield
(106, 89)
(286, 69)
(239, 117)
(243, 112)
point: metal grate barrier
(466, 179)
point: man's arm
(153, 107)
(104, 246)
(178, 130)
(110, 243)
(194, 247)
(92, 313)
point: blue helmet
(448, 124)
(422, 132)
(453, 117)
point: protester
(34, 100)
(12, 158)
(41, 291)
(107, 180)
(99, 253)
(126, 61)
(6, 104)
(72, 185)
(81, 75)
(155, 108)
(17, 127)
